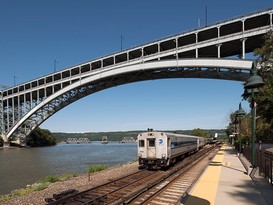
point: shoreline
(79, 183)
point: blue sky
(34, 33)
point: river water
(22, 166)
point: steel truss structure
(199, 53)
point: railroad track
(175, 186)
(142, 187)
(105, 193)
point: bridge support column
(218, 50)
(271, 20)
(6, 142)
(243, 47)
(19, 142)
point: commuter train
(160, 149)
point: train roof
(168, 134)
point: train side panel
(182, 145)
(201, 142)
(159, 149)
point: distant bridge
(199, 53)
(77, 141)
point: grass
(96, 168)
(38, 186)
(50, 179)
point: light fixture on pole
(235, 122)
(247, 93)
(255, 81)
(240, 113)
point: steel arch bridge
(200, 53)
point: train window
(151, 142)
(141, 143)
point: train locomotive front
(160, 149)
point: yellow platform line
(206, 187)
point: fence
(263, 159)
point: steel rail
(154, 189)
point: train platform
(226, 181)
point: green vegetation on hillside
(118, 136)
(96, 136)
(42, 137)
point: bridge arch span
(213, 68)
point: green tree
(200, 133)
(243, 127)
(40, 137)
(264, 98)
(1, 141)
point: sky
(35, 33)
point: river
(22, 166)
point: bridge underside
(238, 70)
(25, 106)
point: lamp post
(235, 122)
(253, 82)
(240, 113)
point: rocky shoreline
(79, 183)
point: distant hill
(119, 135)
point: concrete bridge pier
(19, 142)
(6, 141)
(6, 144)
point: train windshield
(141, 143)
(151, 142)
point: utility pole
(206, 15)
(121, 40)
(55, 65)
(14, 80)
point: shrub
(50, 179)
(66, 176)
(95, 168)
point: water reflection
(22, 166)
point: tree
(242, 127)
(1, 141)
(200, 133)
(264, 98)
(40, 137)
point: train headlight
(163, 156)
(139, 154)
